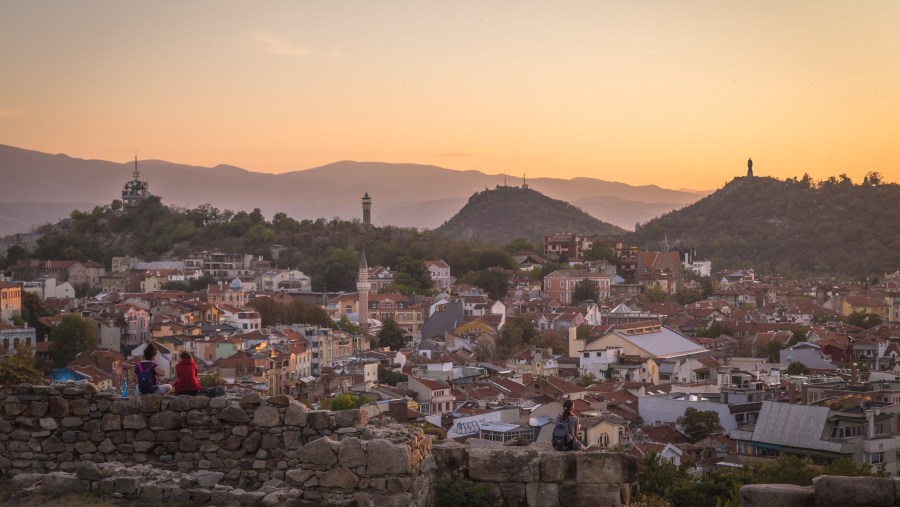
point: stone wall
(246, 444)
(246, 450)
(826, 491)
(539, 476)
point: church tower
(749, 167)
(362, 287)
(367, 209)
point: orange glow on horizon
(673, 94)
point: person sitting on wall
(186, 373)
(148, 374)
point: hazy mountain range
(38, 188)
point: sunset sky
(673, 93)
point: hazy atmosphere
(677, 94)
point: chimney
(398, 410)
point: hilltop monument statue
(749, 167)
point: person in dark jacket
(186, 371)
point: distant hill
(790, 227)
(405, 195)
(505, 213)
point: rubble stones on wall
(245, 448)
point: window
(873, 458)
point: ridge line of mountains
(39, 188)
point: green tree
(585, 290)
(211, 380)
(699, 424)
(14, 254)
(655, 295)
(688, 295)
(389, 376)
(657, 476)
(520, 245)
(515, 334)
(495, 283)
(18, 367)
(587, 380)
(601, 251)
(796, 337)
(412, 273)
(72, 336)
(341, 402)
(391, 335)
(864, 320)
(797, 368)
(715, 330)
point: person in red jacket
(186, 371)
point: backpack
(146, 378)
(562, 439)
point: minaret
(749, 167)
(362, 287)
(367, 209)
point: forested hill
(793, 227)
(505, 213)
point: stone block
(266, 416)
(355, 418)
(88, 470)
(279, 400)
(164, 421)
(504, 464)
(451, 455)
(235, 415)
(151, 403)
(340, 477)
(79, 407)
(557, 466)
(180, 403)
(72, 422)
(396, 500)
(48, 423)
(319, 419)
(218, 403)
(513, 493)
(251, 399)
(85, 447)
(836, 491)
(107, 446)
(134, 422)
(198, 402)
(296, 414)
(58, 484)
(776, 495)
(25, 481)
(386, 458)
(298, 476)
(59, 407)
(351, 453)
(542, 494)
(39, 408)
(111, 422)
(207, 478)
(572, 494)
(53, 445)
(605, 468)
(319, 452)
